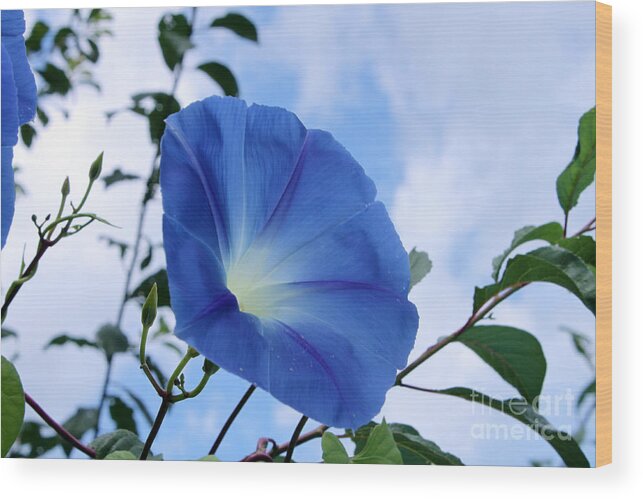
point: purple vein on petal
(292, 180)
(226, 299)
(314, 354)
(214, 207)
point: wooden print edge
(603, 234)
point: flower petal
(195, 274)
(8, 192)
(13, 27)
(283, 269)
(320, 374)
(10, 119)
(237, 161)
(231, 339)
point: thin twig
(58, 428)
(418, 388)
(295, 438)
(471, 321)
(231, 418)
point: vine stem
(58, 428)
(233, 415)
(103, 397)
(158, 421)
(474, 318)
(295, 438)
(43, 246)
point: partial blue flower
(18, 103)
(283, 268)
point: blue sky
(463, 114)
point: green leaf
(552, 264)
(27, 134)
(484, 294)
(61, 38)
(156, 107)
(122, 415)
(143, 289)
(119, 440)
(582, 344)
(121, 455)
(12, 405)
(579, 174)
(380, 448)
(111, 340)
(56, 79)
(35, 442)
(8, 333)
(94, 53)
(118, 176)
(174, 38)
(63, 339)
(584, 247)
(223, 76)
(141, 406)
(519, 409)
(81, 422)
(551, 232)
(588, 391)
(98, 15)
(38, 32)
(42, 116)
(413, 447)
(237, 23)
(514, 354)
(213, 459)
(420, 266)
(333, 452)
(145, 262)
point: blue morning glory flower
(18, 103)
(283, 268)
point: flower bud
(148, 313)
(96, 168)
(65, 189)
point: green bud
(96, 168)
(148, 313)
(65, 189)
